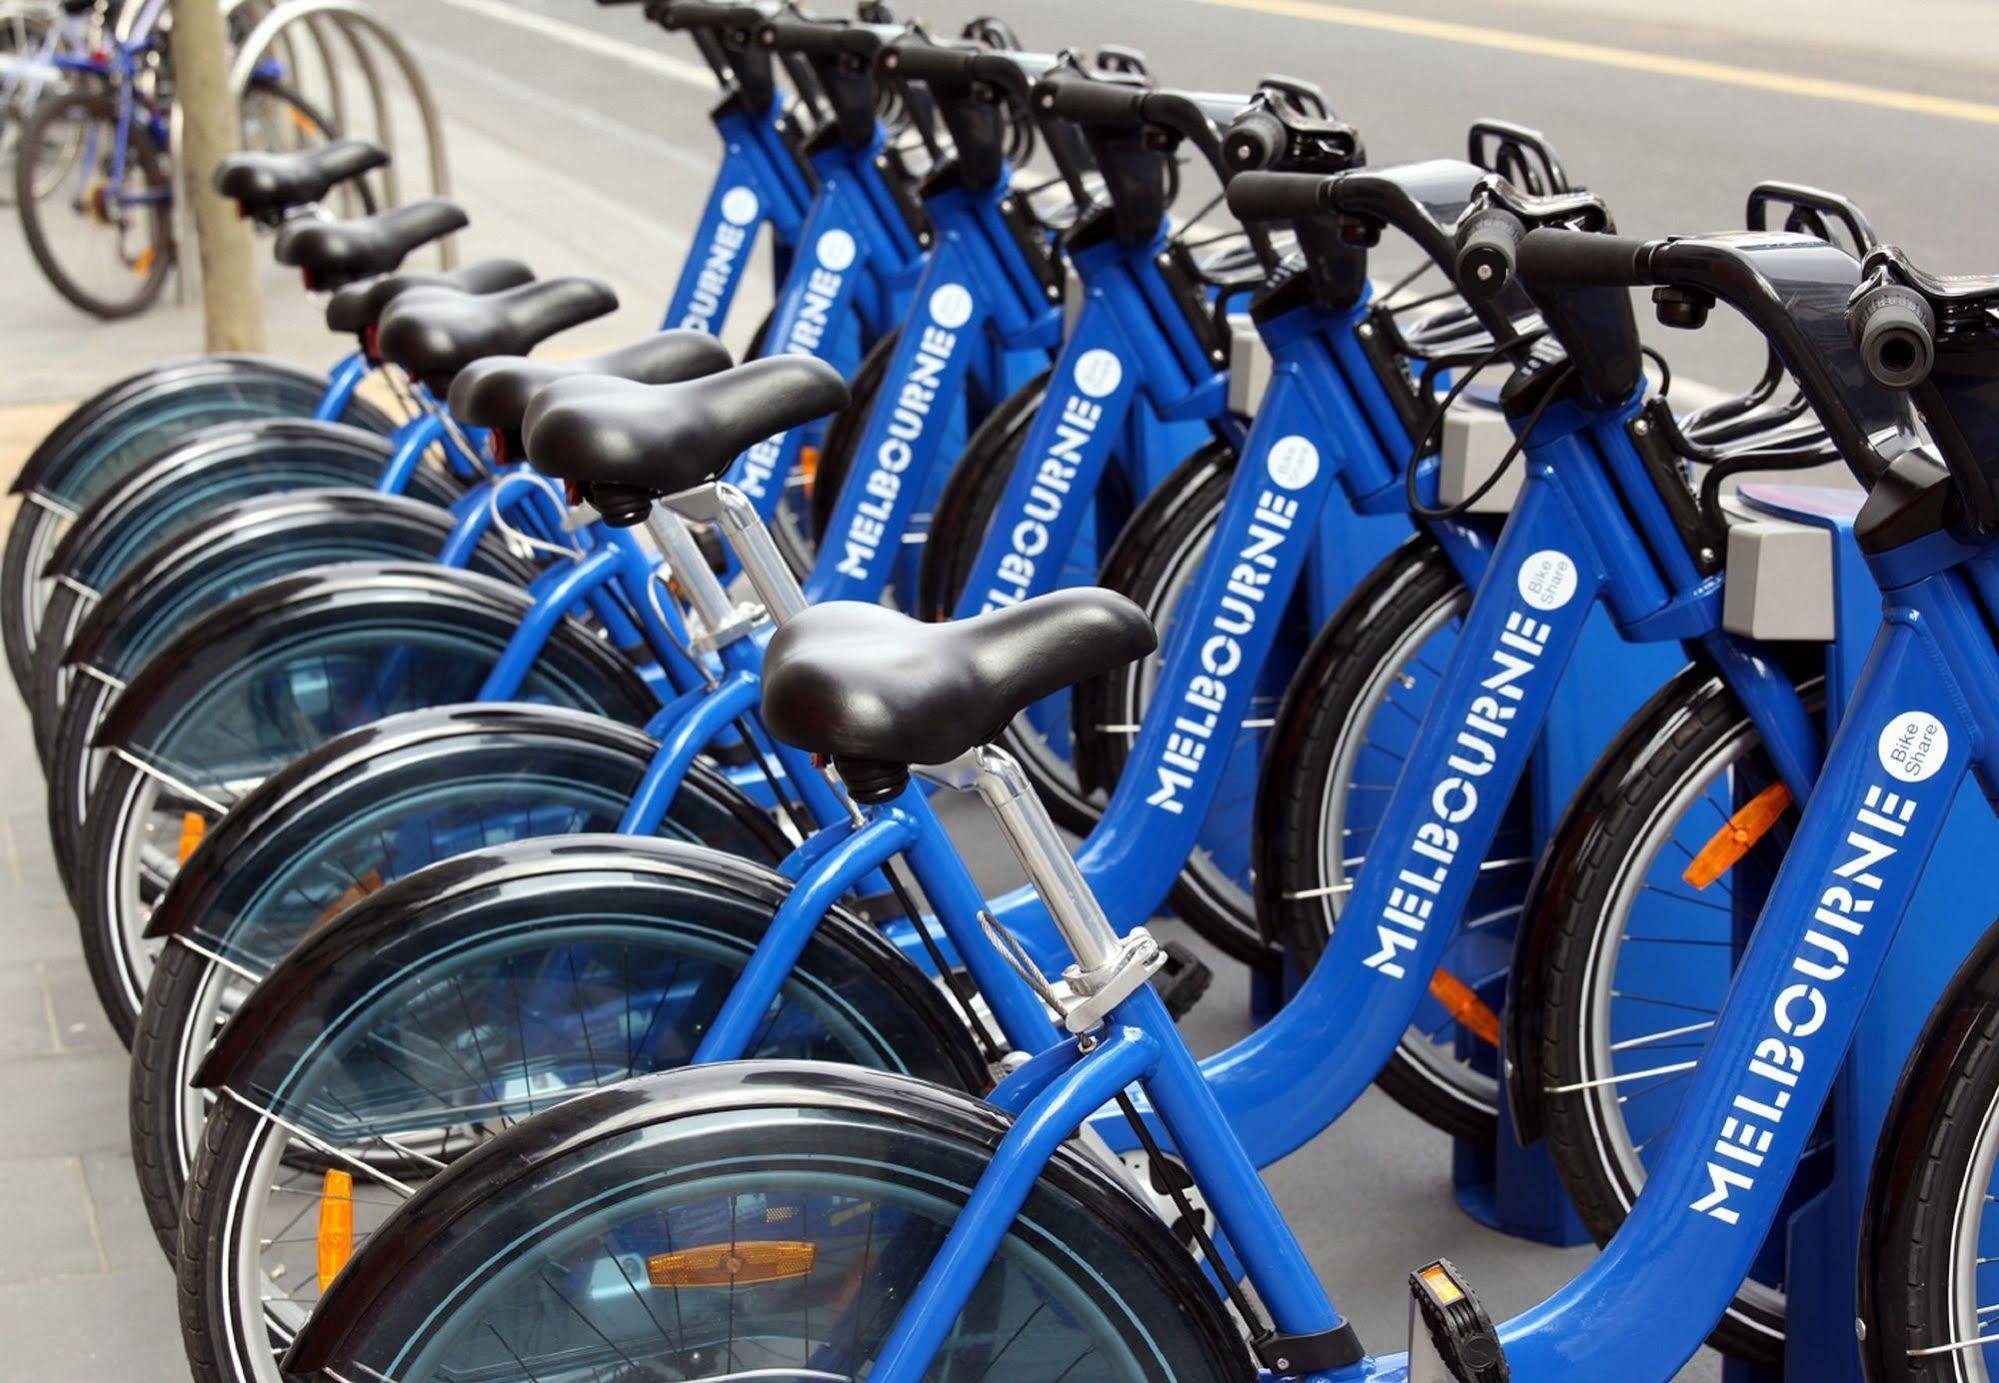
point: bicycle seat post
(1051, 868)
(1108, 967)
(743, 529)
(703, 591)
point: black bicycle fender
(348, 456)
(42, 465)
(320, 597)
(639, 1114)
(293, 516)
(427, 914)
(243, 829)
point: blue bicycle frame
(858, 256)
(1131, 341)
(977, 300)
(1924, 714)
(1589, 525)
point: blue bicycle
(770, 1215)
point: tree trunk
(232, 299)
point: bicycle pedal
(1451, 1338)
(1182, 980)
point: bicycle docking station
(1796, 542)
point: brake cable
(1436, 421)
(1252, 1319)
(980, 1032)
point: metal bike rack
(360, 32)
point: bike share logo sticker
(1099, 373)
(1913, 746)
(1294, 462)
(869, 527)
(1801, 1007)
(951, 306)
(719, 261)
(1096, 376)
(1548, 579)
(740, 206)
(834, 252)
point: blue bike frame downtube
(1306, 439)
(1471, 751)
(760, 183)
(853, 246)
(1099, 374)
(1569, 541)
(1050, 1098)
(975, 299)
(341, 382)
(832, 864)
(1922, 707)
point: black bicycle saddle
(875, 690)
(266, 186)
(433, 333)
(358, 306)
(497, 392)
(335, 253)
(630, 442)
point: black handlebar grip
(1255, 139)
(1089, 101)
(702, 14)
(1277, 196)
(1581, 259)
(1487, 249)
(1896, 332)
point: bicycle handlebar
(1487, 249)
(1262, 196)
(1553, 258)
(1793, 288)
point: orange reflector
(732, 1265)
(808, 466)
(193, 830)
(1442, 1286)
(1751, 822)
(354, 893)
(144, 264)
(1472, 1013)
(336, 1225)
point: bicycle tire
(153, 164)
(428, 937)
(251, 864)
(1930, 1161)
